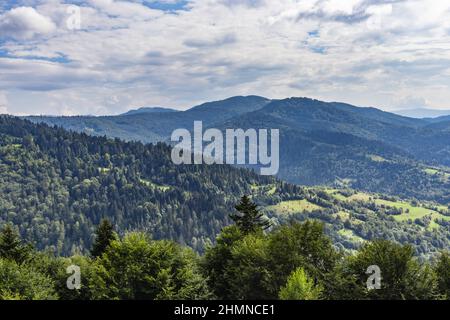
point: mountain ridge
(322, 143)
(147, 110)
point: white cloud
(24, 23)
(3, 103)
(127, 55)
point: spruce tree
(249, 219)
(104, 236)
(11, 246)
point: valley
(57, 185)
(321, 143)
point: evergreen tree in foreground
(249, 218)
(11, 246)
(104, 236)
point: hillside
(57, 185)
(364, 148)
(156, 127)
(148, 110)
(333, 144)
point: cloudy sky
(107, 56)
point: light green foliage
(138, 268)
(300, 287)
(247, 272)
(23, 282)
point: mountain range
(56, 186)
(321, 143)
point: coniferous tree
(104, 236)
(249, 219)
(442, 270)
(11, 246)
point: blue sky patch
(167, 6)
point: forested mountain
(332, 144)
(364, 148)
(55, 186)
(148, 110)
(156, 127)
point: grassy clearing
(414, 212)
(343, 215)
(335, 194)
(442, 174)
(376, 158)
(294, 206)
(104, 170)
(360, 196)
(153, 185)
(410, 212)
(270, 189)
(350, 235)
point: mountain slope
(321, 143)
(148, 110)
(155, 127)
(55, 186)
(336, 144)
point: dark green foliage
(308, 247)
(442, 269)
(104, 236)
(402, 277)
(56, 186)
(215, 262)
(322, 143)
(11, 246)
(256, 266)
(249, 219)
(238, 267)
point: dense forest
(293, 262)
(321, 143)
(56, 186)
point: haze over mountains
(321, 143)
(423, 113)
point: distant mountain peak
(148, 110)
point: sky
(103, 57)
